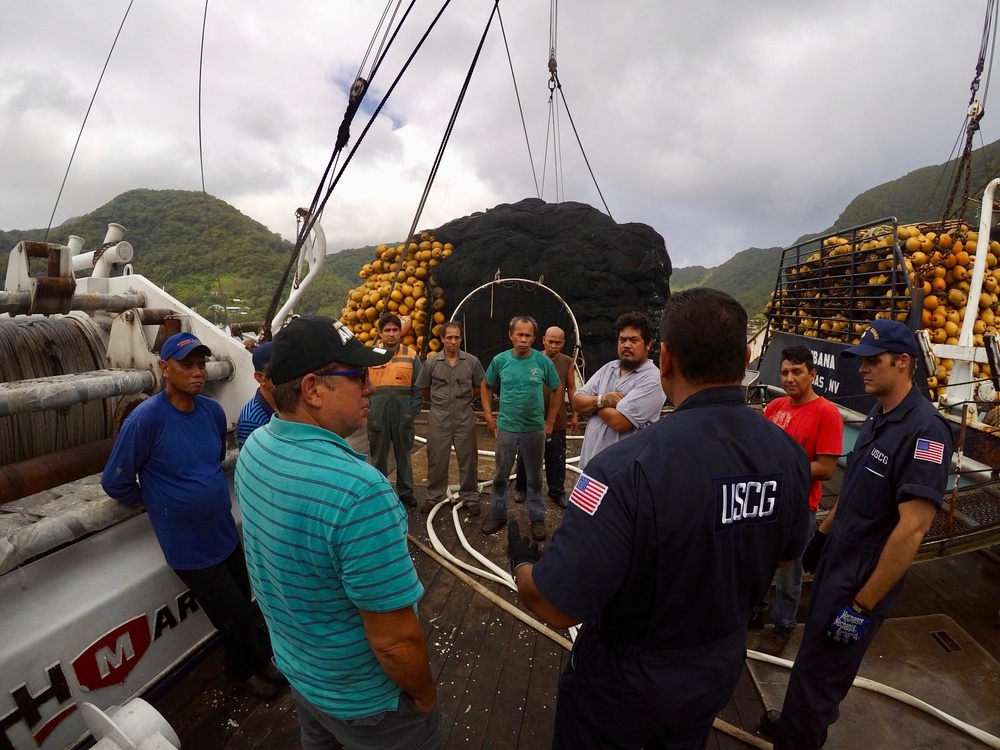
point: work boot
(255, 685)
(538, 532)
(769, 723)
(493, 525)
(775, 641)
(757, 620)
(425, 506)
(472, 508)
(408, 500)
(272, 674)
(560, 500)
(519, 496)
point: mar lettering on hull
(107, 661)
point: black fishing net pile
(600, 268)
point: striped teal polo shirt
(325, 537)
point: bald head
(553, 341)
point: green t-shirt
(520, 379)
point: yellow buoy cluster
(401, 280)
(839, 289)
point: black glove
(810, 558)
(519, 549)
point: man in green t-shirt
(524, 421)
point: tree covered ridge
(200, 249)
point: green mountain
(918, 196)
(201, 250)
(208, 254)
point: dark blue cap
(261, 356)
(883, 336)
(180, 345)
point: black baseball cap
(312, 341)
(883, 336)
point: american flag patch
(928, 450)
(587, 494)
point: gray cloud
(722, 125)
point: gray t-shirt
(641, 405)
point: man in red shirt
(816, 425)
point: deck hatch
(945, 641)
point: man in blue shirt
(669, 539)
(174, 443)
(326, 547)
(258, 410)
(523, 423)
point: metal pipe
(45, 472)
(61, 391)
(19, 303)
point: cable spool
(44, 347)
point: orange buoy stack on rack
(401, 280)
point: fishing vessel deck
(497, 677)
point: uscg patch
(746, 499)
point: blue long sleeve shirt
(177, 458)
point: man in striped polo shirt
(258, 410)
(325, 540)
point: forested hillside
(205, 252)
(200, 249)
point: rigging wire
(576, 133)
(317, 206)
(447, 134)
(963, 172)
(84, 123)
(201, 163)
(520, 109)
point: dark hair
(706, 332)
(798, 355)
(635, 320)
(286, 395)
(522, 319)
(389, 318)
(452, 324)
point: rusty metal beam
(45, 472)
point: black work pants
(223, 592)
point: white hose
(877, 687)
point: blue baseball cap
(180, 345)
(883, 336)
(262, 356)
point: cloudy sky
(722, 124)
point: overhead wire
(84, 123)
(520, 108)
(318, 204)
(447, 134)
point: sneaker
(775, 641)
(473, 508)
(560, 501)
(493, 525)
(273, 675)
(408, 500)
(538, 532)
(757, 620)
(256, 686)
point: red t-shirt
(816, 426)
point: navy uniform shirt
(898, 456)
(673, 535)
